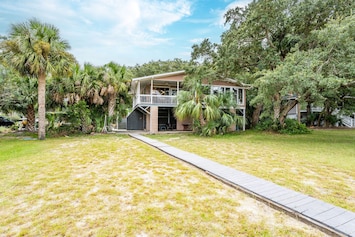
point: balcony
(159, 100)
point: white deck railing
(348, 121)
(156, 99)
(170, 100)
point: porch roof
(235, 82)
(158, 76)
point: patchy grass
(321, 164)
(108, 185)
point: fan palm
(115, 82)
(26, 97)
(211, 113)
(36, 49)
(18, 94)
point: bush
(267, 125)
(78, 116)
(292, 126)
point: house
(155, 97)
(300, 114)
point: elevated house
(155, 97)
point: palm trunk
(31, 119)
(42, 106)
(111, 105)
(202, 120)
(256, 114)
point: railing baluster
(157, 99)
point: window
(217, 90)
(240, 98)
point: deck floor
(327, 217)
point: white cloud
(238, 3)
(133, 15)
(99, 27)
(196, 40)
(159, 14)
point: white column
(244, 119)
(139, 92)
(151, 91)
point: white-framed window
(235, 91)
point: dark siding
(136, 120)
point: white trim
(157, 76)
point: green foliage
(211, 114)
(105, 90)
(302, 48)
(311, 118)
(54, 121)
(35, 49)
(292, 126)
(78, 116)
(156, 67)
(320, 75)
(331, 119)
(267, 125)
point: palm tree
(115, 82)
(26, 99)
(89, 84)
(211, 113)
(36, 49)
(18, 95)
(191, 101)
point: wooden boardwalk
(329, 218)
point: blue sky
(127, 32)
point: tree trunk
(256, 114)
(328, 114)
(290, 104)
(202, 120)
(309, 113)
(42, 106)
(277, 106)
(111, 105)
(31, 118)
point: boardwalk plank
(274, 190)
(272, 196)
(341, 219)
(331, 213)
(258, 185)
(303, 205)
(348, 227)
(296, 198)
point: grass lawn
(113, 185)
(321, 164)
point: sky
(127, 32)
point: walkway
(329, 218)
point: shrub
(78, 116)
(292, 126)
(267, 125)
